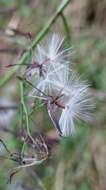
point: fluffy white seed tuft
(50, 54)
(58, 79)
(77, 106)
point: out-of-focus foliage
(79, 162)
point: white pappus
(48, 55)
(58, 79)
(77, 106)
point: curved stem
(67, 29)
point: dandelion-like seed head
(59, 80)
(49, 54)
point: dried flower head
(36, 153)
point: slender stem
(1, 141)
(24, 107)
(30, 84)
(67, 29)
(35, 108)
(21, 106)
(40, 35)
(26, 115)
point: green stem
(67, 29)
(26, 115)
(40, 35)
(21, 106)
(36, 108)
(24, 107)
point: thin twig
(9, 50)
(21, 33)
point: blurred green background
(78, 162)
